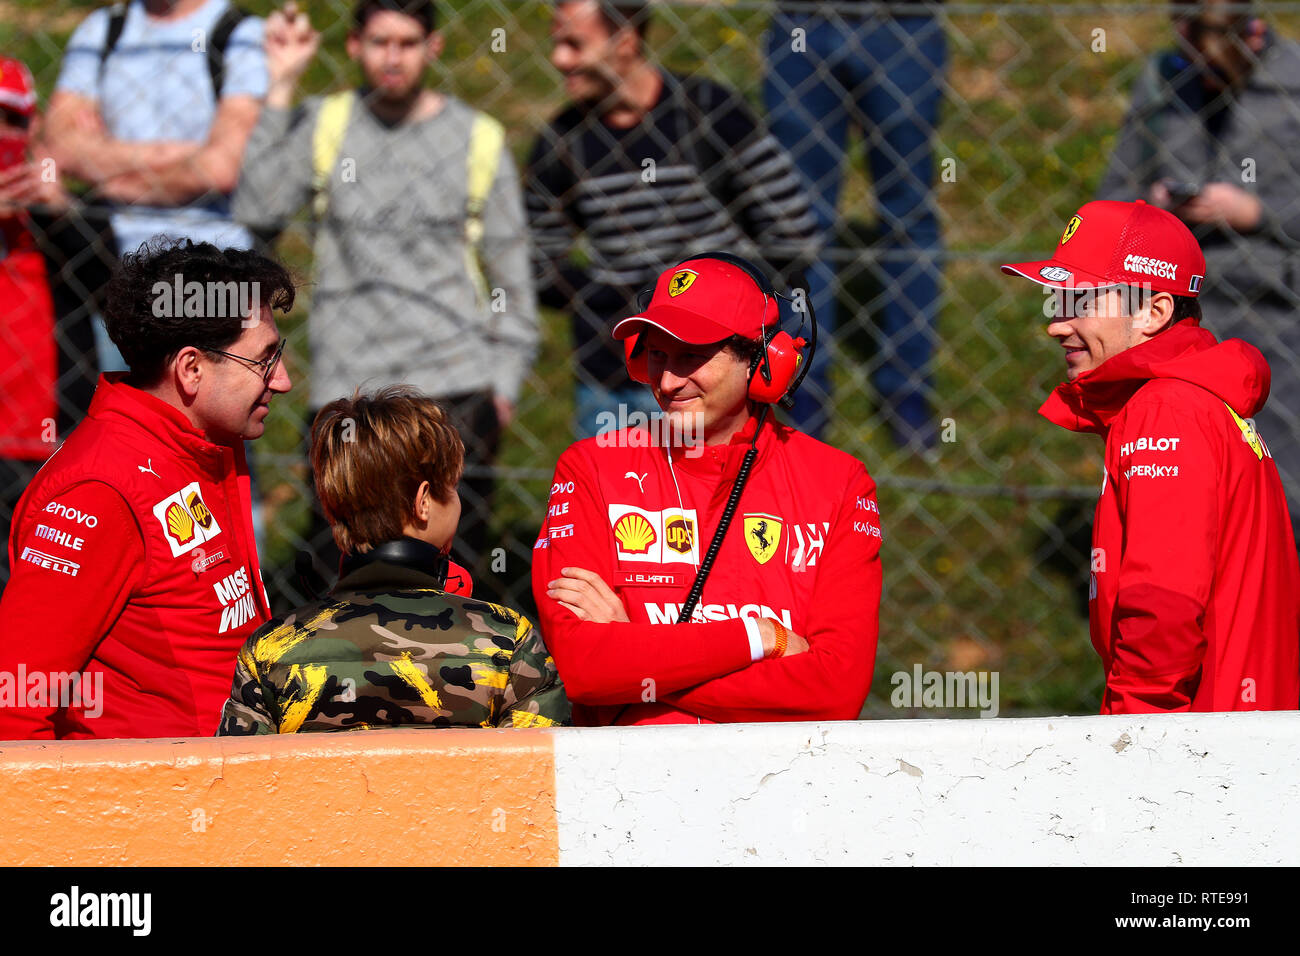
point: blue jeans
(597, 407)
(883, 75)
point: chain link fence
(987, 516)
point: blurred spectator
(389, 646)
(422, 271)
(649, 167)
(49, 263)
(1211, 134)
(861, 65)
(152, 108)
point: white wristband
(755, 639)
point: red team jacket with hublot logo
(803, 549)
(133, 564)
(1195, 593)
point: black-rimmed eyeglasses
(266, 366)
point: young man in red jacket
(786, 625)
(135, 576)
(1195, 591)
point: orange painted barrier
(375, 798)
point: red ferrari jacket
(1195, 586)
(134, 566)
(803, 548)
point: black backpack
(220, 39)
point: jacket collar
(115, 399)
(1233, 370)
(725, 459)
(401, 563)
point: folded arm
(830, 681)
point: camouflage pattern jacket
(389, 648)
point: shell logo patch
(1071, 228)
(186, 521)
(179, 523)
(762, 535)
(682, 280)
(634, 533)
(654, 537)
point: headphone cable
(733, 500)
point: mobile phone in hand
(1181, 192)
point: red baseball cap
(1110, 243)
(704, 300)
(17, 90)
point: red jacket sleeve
(1168, 503)
(831, 680)
(608, 663)
(67, 587)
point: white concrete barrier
(1204, 789)
(1186, 789)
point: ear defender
(774, 372)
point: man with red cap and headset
(1193, 601)
(652, 615)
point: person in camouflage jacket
(390, 646)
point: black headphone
(780, 365)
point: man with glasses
(135, 574)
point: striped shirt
(699, 173)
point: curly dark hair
(150, 307)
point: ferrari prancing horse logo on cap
(1071, 228)
(682, 280)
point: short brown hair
(746, 349)
(369, 454)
